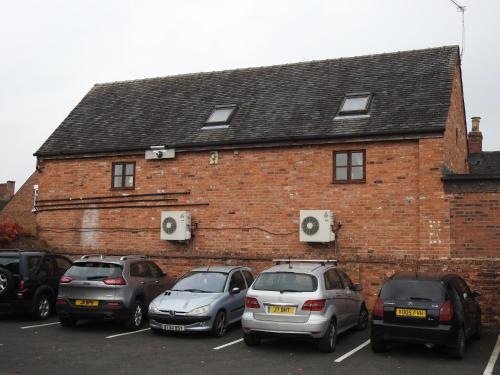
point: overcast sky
(53, 52)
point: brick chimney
(475, 137)
(7, 190)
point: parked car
(206, 299)
(304, 299)
(29, 281)
(109, 288)
(427, 308)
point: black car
(427, 308)
(29, 281)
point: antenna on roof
(461, 9)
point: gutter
(272, 142)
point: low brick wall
(481, 274)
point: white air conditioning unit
(316, 226)
(175, 225)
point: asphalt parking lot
(28, 347)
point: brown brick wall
(455, 136)
(18, 210)
(254, 201)
(475, 224)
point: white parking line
(128, 333)
(228, 344)
(493, 358)
(340, 359)
(40, 325)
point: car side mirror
(475, 294)
(357, 287)
(235, 290)
(163, 274)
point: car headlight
(153, 308)
(200, 310)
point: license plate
(87, 302)
(172, 327)
(412, 313)
(282, 310)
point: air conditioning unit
(175, 225)
(316, 226)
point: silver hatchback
(305, 299)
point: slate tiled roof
(299, 101)
(485, 163)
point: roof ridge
(253, 68)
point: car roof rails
(87, 256)
(126, 257)
(322, 262)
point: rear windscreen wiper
(290, 290)
(96, 277)
(420, 299)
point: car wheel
(328, 342)
(362, 318)
(220, 324)
(479, 330)
(136, 317)
(6, 281)
(67, 322)
(458, 349)
(378, 346)
(42, 307)
(251, 339)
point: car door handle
(143, 282)
(157, 281)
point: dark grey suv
(110, 288)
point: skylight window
(355, 104)
(221, 116)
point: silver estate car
(110, 288)
(303, 299)
(206, 299)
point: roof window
(221, 116)
(355, 104)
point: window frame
(364, 111)
(123, 176)
(234, 108)
(349, 166)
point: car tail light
(113, 305)
(252, 303)
(115, 281)
(314, 305)
(378, 309)
(61, 301)
(22, 286)
(65, 279)
(446, 311)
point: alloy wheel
(138, 316)
(332, 336)
(3, 282)
(221, 324)
(44, 307)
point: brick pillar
(475, 137)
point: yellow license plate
(87, 302)
(412, 313)
(282, 310)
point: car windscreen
(202, 282)
(10, 263)
(286, 281)
(94, 271)
(416, 290)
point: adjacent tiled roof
(285, 102)
(485, 163)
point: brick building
(7, 190)
(375, 139)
